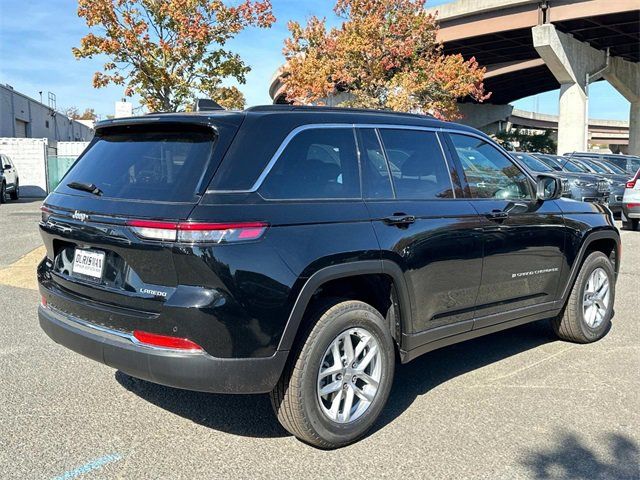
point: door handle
(399, 220)
(497, 215)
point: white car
(631, 203)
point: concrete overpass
(533, 46)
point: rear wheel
(587, 315)
(15, 195)
(338, 379)
(630, 224)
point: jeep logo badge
(83, 217)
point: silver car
(631, 203)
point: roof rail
(311, 108)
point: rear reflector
(193, 232)
(43, 301)
(164, 341)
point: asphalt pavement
(516, 404)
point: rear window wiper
(86, 187)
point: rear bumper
(190, 371)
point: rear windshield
(166, 164)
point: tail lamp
(194, 232)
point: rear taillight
(194, 232)
(631, 183)
(633, 205)
(46, 213)
(165, 341)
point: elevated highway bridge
(534, 46)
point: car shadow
(244, 415)
(426, 372)
(252, 416)
(571, 459)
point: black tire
(15, 195)
(3, 193)
(630, 224)
(295, 398)
(571, 324)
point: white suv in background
(9, 183)
(631, 203)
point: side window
(417, 165)
(489, 173)
(317, 163)
(376, 182)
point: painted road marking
(89, 466)
(22, 273)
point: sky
(36, 37)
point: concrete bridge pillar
(570, 61)
(634, 129)
(625, 77)
(484, 116)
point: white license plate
(89, 263)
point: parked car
(9, 179)
(616, 181)
(583, 186)
(537, 167)
(270, 250)
(631, 203)
(630, 163)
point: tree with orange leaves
(167, 50)
(385, 55)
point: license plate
(89, 263)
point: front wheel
(3, 193)
(336, 384)
(15, 195)
(587, 314)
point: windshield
(533, 163)
(612, 167)
(163, 164)
(594, 166)
(549, 161)
(569, 166)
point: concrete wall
(30, 157)
(17, 109)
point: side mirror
(548, 187)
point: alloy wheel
(596, 298)
(349, 375)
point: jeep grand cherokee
(301, 251)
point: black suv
(303, 251)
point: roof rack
(292, 108)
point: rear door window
(417, 164)
(164, 164)
(318, 163)
(376, 180)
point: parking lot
(517, 404)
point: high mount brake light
(196, 232)
(165, 341)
